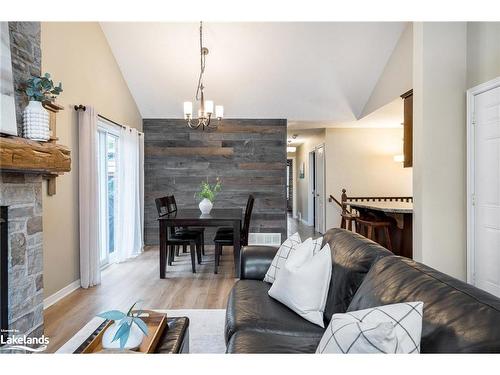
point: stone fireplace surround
(22, 194)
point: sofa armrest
(255, 261)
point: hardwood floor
(138, 279)
(305, 231)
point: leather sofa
(458, 318)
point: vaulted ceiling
(298, 71)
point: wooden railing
(345, 200)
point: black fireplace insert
(3, 273)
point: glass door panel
(108, 194)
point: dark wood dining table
(192, 217)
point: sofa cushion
(352, 258)
(250, 308)
(457, 317)
(262, 342)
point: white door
(484, 190)
(320, 189)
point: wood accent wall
(248, 155)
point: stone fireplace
(21, 195)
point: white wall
(483, 52)
(397, 76)
(439, 146)
(77, 54)
(361, 161)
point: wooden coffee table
(174, 340)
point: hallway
(305, 231)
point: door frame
(323, 212)
(471, 94)
(294, 185)
(310, 188)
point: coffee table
(174, 339)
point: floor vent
(267, 239)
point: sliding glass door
(108, 190)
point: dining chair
(173, 207)
(225, 236)
(179, 236)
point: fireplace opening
(4, 313)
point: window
(108, 138)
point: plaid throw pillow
(281, 256)
(395, 328)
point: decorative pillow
(281, 256)
(366, 331)
(302, 284)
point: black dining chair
(179, 236)
(225, 236)
(173, 207)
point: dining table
(191, 217)
(399, 214)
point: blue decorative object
(124, 322)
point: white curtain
(131, 195)
(90, 267)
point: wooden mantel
(27, 156)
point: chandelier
(206, 107)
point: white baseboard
(306, 223)
(57, 296)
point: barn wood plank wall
(248, 155)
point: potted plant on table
(36, 118)
(208, 193)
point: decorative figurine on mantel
(36, 118)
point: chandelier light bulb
(188, 109)
(219, 111)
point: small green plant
(125, 322)
(42, 88)
(210, 191)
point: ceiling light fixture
(206, 109)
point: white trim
(323, 230)
(294, 185)
(310, 191)
(57, 296)
(471, 93)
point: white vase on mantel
(36, 122)
(205, 206)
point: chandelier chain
(202, 64)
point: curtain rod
(83, 108)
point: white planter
(205, 206)
(133, 342)
(36, 122)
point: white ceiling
(299, 71)
(388, 116)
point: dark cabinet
(408, 128)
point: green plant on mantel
(41, 88)
(210, 191)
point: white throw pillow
(363, 331)
(281, 256)
(302, 284)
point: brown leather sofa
(458, 318)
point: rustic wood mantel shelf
(27, 156)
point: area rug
(206, 331)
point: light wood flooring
(138, 279)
